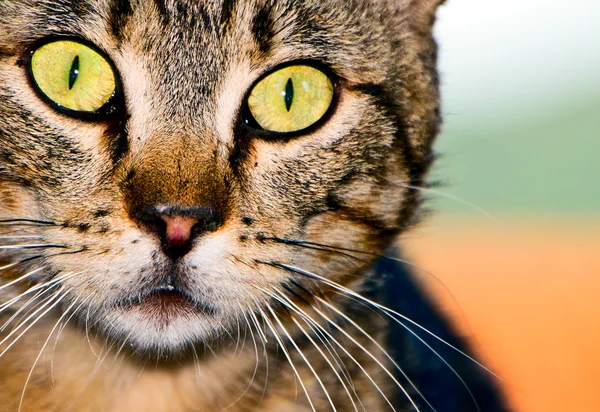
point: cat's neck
(80, 373)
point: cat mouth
(166, 303)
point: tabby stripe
(263, 27)
(163, 11)
(121, 12)
(385, 101)
(227, 12)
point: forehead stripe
(227, 11)
(263, 27)
(120, 12)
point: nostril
(177, 227)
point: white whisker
(255, 364)
(390, 312)
(264, 341)
(33, 246)
(20, 237)
(12, 265)
(311, 320)
(65, 314)
(289, 358)
(52, 306)
(328, 362)
(368, 336)
(456, 199)
(24, 307)
(306, 361)
(48, 285)
(20, 279)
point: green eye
(73, 76)
(291, 99)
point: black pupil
(289, 94)
(74, 72)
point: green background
(521, 102)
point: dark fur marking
(417, 167)
(248, 221)
(163, 11)
(121, 12)
(241, 149)
(227, 12)
(117, 140)
(77, 7)
(83, 227)
(386, 102)
(101, 213)
(263, 28)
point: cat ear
(422, 12)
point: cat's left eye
(73, 76)
(291, 99)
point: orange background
(526, 291)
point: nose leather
(178, 227)
(178, 231)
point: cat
(199, 202)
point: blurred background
(514, 244)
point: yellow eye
(291, 99)
(73, 76)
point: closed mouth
(166, 302)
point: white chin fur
(149, 333)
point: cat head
(204, 156)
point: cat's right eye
(73, 76)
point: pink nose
(178, 227)
(178, 233)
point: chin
(164, 322)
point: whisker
(345, 252)
(52, 306)
(24, 221)
(237, 341)
(256, 361)
(389, 312)
(20, 237)
(29, 259)
(22, 278)
(65, 314)
(322, 338)
(456, 199)
(306, 361)
(40, 246)
(60, 331)
(264, 341)
(22, 323)
(336, 373)
(196, 362)
(304, 315)
(12, 265)
(259, 329)
(394, 316)
(386, 354)
(24, 307)
(289, 358)
(332, 352)
(48, 284)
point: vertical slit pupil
(74, 73)
(289, 94)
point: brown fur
(185, 68)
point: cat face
(171, 214)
